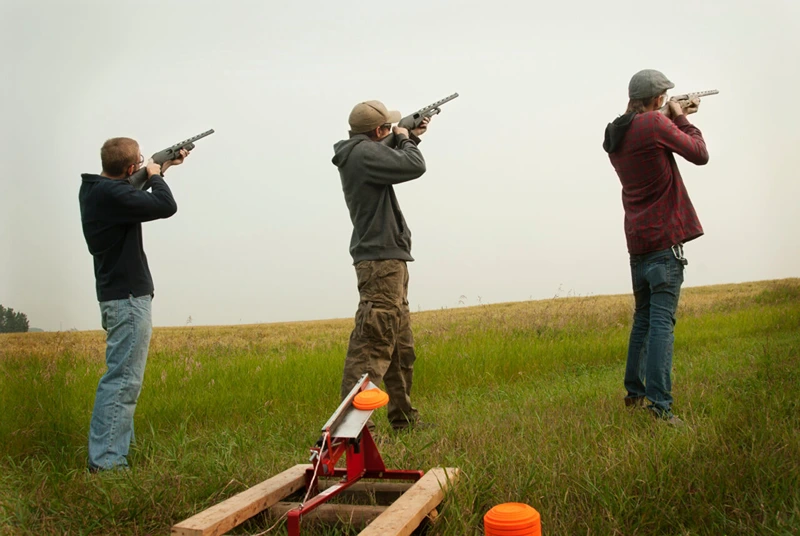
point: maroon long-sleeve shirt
(658, 211)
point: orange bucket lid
(370, 399)
(512, 519)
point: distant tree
(11, 322)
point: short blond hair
(117, 154)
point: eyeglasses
(387, 126)
(141, 159)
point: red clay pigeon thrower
(346, 433)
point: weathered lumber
(400, 519)
(234, 511)
(407, 512)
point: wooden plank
(407, 512)
(234, 511)
(358, 515)
(433, 515)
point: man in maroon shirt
(659, 219)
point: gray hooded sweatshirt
(369, 170)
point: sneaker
(117, 469)
(671, 420)
(635, 401)
(676, 422)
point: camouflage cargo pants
(381, 343)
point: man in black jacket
(381, 343)
(112, 212)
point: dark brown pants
(381, 343)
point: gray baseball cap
(647, 84)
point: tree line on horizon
(13, 322)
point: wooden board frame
(401, 518)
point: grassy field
(527, 399)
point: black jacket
(112, 212)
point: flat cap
(648, 83)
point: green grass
(527, 398)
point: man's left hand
(422, 128)
(175, 162)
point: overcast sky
(519, 200)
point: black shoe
(94, 469)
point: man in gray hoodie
(381, 343)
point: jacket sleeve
(393, 166)
(681, 137)
(131, 205)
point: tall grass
(527, 399)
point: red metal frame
(363, 461)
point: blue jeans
(128, 325)
(657, 279)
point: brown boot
(635, 401)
